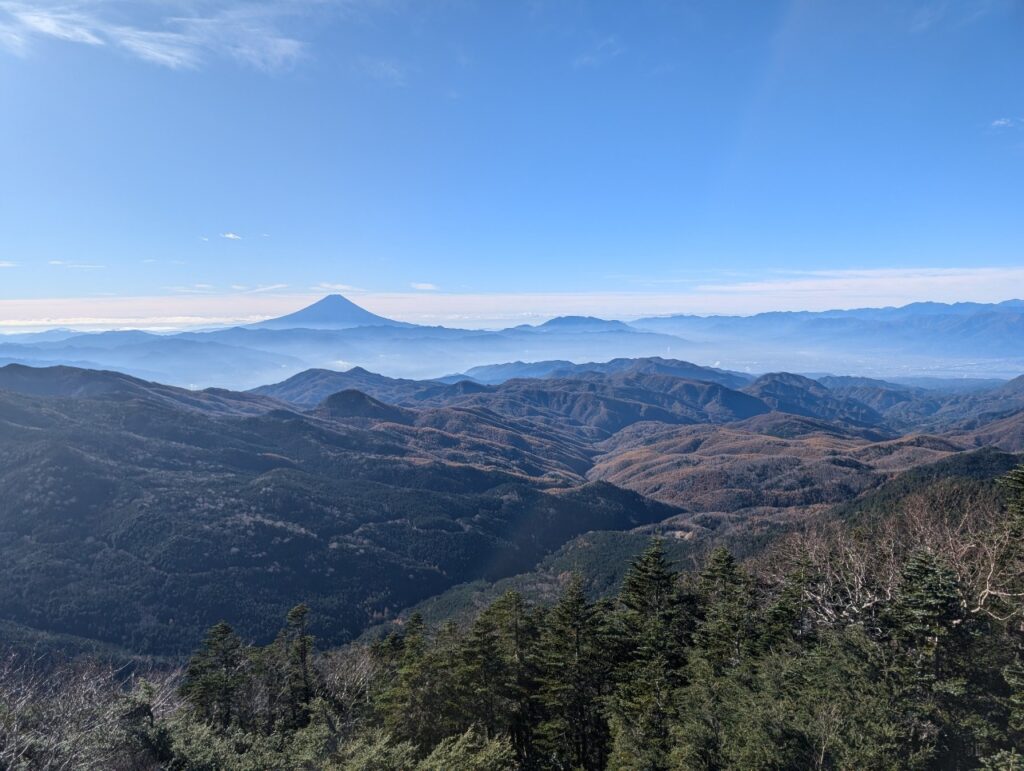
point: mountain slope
(797, 395)
(141, 521)
(331, 312)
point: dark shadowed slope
(133, 519)
(75, 382)
(798, 395)
(494, 374)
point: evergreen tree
(936, 671)
(1014, 676)
(784, 624)
(649, 586)
(214, 676)
(1013, 482)
(727, 631)
(294, 647)
(650, 654)
(573, 680)
(498, 671)
(424, 702)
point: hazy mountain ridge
(922, 339)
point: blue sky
(190, 161)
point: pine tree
(935, 663)
(783, 623)
(425, 702)
(727, 631)
(498, 673)
(649, 627)
(215, 675)
(485, 676)
(1013, 482)
(649, 585)
(295, 646)
(574, 678)
(1014, 676)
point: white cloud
(170, 49)
(424, 287)
(1007, 123)
(72, 27)
(325, 286)
(236, 289)
(231, 236)
(8, 264)
(76, 265)
(13, 39)
(192, 289)
(245, 31)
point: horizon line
(477, 312)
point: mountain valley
(363, 494)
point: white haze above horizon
(207, 305)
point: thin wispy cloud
(231, 236)
(325, 286)
(170, 49)
(388, 71)
(1007, 123)
(75, 265)
(424, 287)
(175, 34)
(600, 53)
(234, 289)
(192, 289)
(938, 13)
(13, 39)
(8, 264)
(70, 26)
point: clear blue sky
(445, 152)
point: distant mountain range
(922, 340)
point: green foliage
(727, 632)
(653, 625)
(1013, 482)
(734, 667)
(215, 675)
(471, 751)
(573, 679)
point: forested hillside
(893, 640)
(135, 514)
